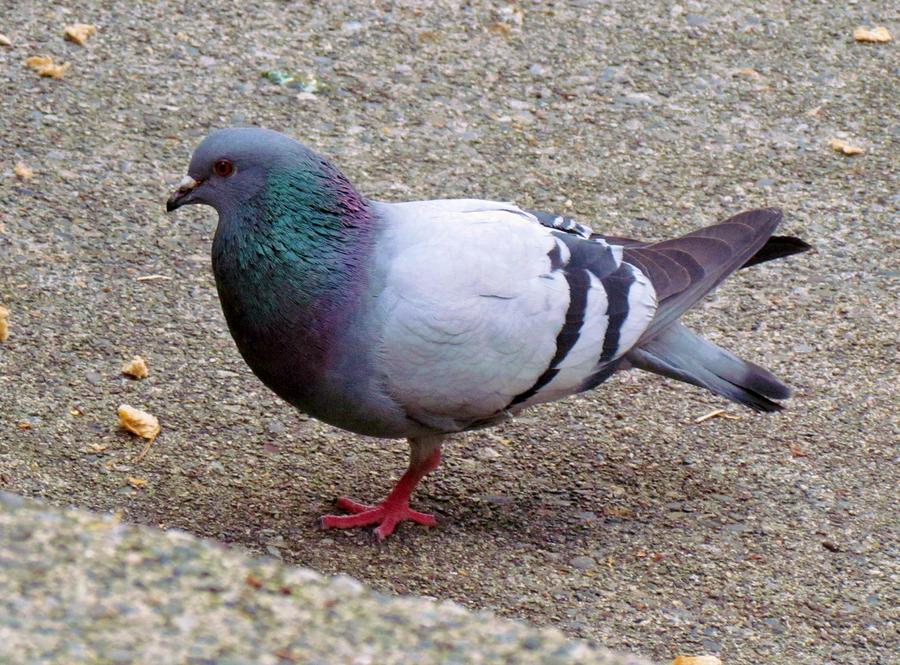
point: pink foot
(387, 515)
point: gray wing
(485, 312)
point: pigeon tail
(679, 354)
(684, 270)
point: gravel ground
(612, 516)
(81, 588)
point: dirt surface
(612, 516)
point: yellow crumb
(138, 422)
(842, 146)
(877, 35)
(4, 324)
(136, 368)
(43, 65)
(79, 32)
(23, 171)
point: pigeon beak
(182, 195)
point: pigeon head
(232, 166)
(292, 230)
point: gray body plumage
(448, 315)
(476, 310)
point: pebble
(93, 377)
(583, 563)
(487, 453)
(636, 99)
(696, 20)
(711, 645)
(775, 625)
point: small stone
(611, 74)
(497, 500)
(275, 427)
(93, 378)
(582, 563)
(775, 625)
(696, 20)
(487, 453)
(637, 99)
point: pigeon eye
(223, 168)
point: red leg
(425, 455)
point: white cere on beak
(186, 184)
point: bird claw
(386, 515)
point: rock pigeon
(427, 318)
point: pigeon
(422, 319)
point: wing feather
(485, 311)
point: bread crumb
(23, 171)
(696, 660)
(138, 422)
(4, 324)
(79, 32)
(136, 368)
(43, 65)
(877, 35)
(842, 146)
